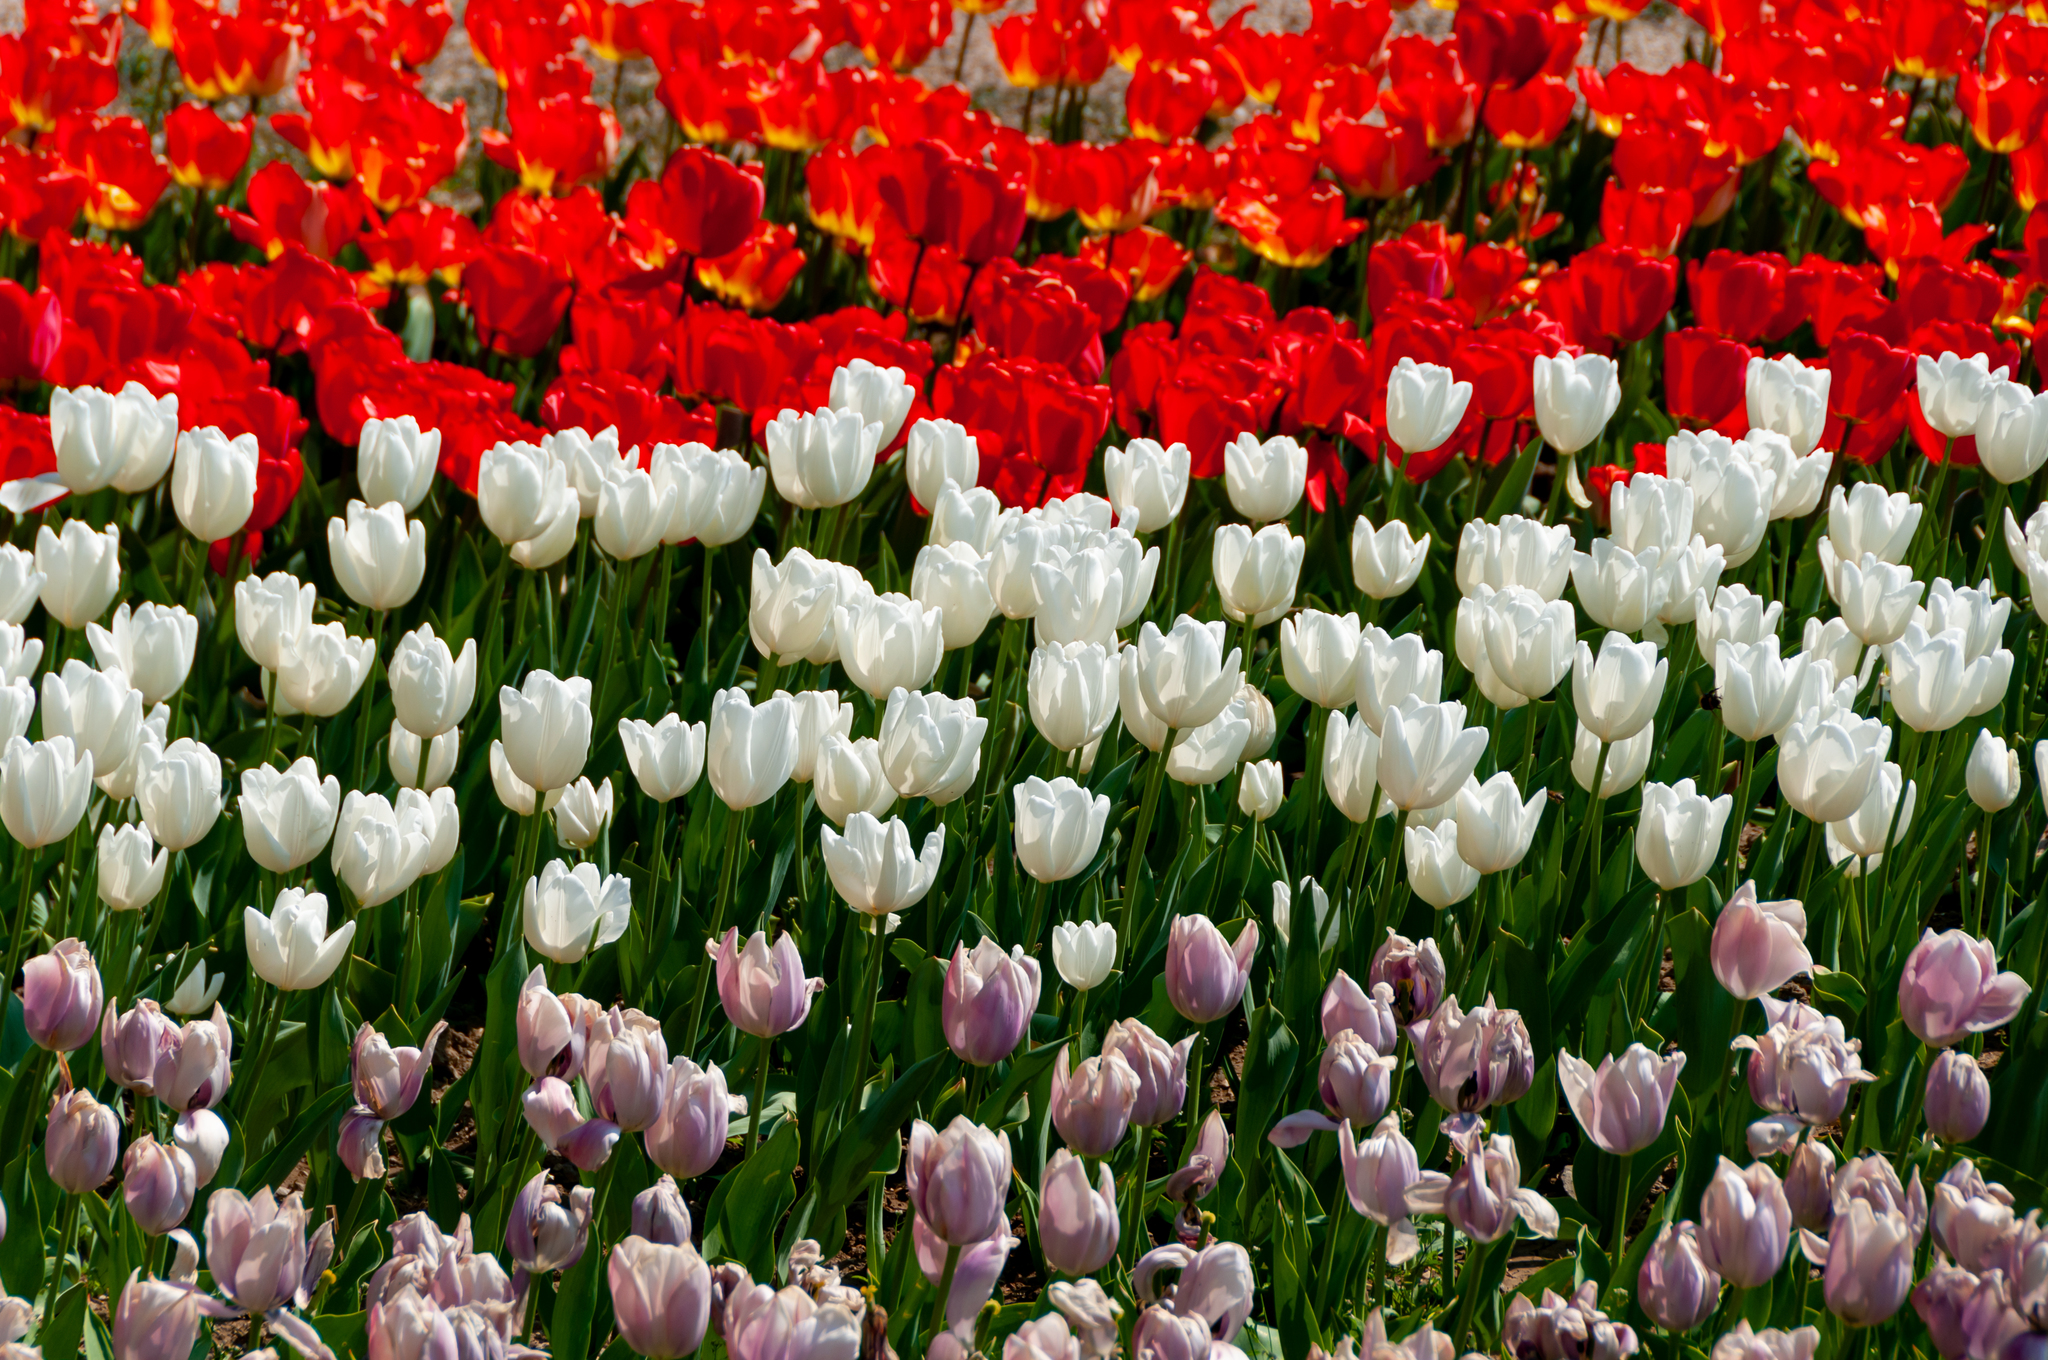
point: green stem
(732, 829)
(1146, 810)
(1741, 818)
(1475, 1267)
(25, 902)
(940, 1321)
(871, 985)
(1134, 1218)
(1619, 1242)
(760, 1097)
(273, 1021)
(66, 1240)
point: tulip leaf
(576, 1304)
(1509, 483)
(14, 1040)
(314, 1122)
(1839, 994)
(346, 1333)
(878, 1127)
(741, 1217)
(21, 1251)
(63, 1329)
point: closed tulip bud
(1072, 691)
(290, 948)
(660, 1214)
(973, 516)
(1424, 405)
(750, 749)
(271, 613)
(1084, 953)
(152, 645)
(519, 488)
(547, 729)
(957, 1179)
(1622, 1106)
(396, 461)
(1958, 1097)
(688, 1137)
(1355, 1081)
(1079, 596)
(43, 789)
(1864, 831)
(849, 779)
(131, 1043)
(547, 1229)
(1256, 573)
(2011, 430)
(1059, 827)
(1876, 597)
(1474, 1060)
(1185, 676)
(203, 1136)
(821, 459)
(80, 570)
(1494, 825)
(988, 1001)
(954, 581)
(890, 642)
(1435, 872)
(179, 791)
(634, 512)
(1809, 1185)
(1616, 693)
(1736, 615)
(287, 815)
(83, 1140)
(1574, 398)
(1951, 988)
(1788, 398)
(379, 557)
(1319, 655)
(1260, 790)
(931, 745)
(1759, 692)
(936, 452)
(1953, 390)
(323, 671)
(1346, 1007)
(1205, 976)
(1378, 1174)
(1386, 561)
(1619, 589)
(1161, 1068)
(213, 482)
(1674, 1285)
(1828, 765)
(763, 988)
(1078, 1224)
(1679, 836)
(158, 1184)
(666, 757)
(872, 866)
(1867, 1262)
(1758, 946)
(1426, 752)
(626, 1068)
(1264, 480)
(1745, 1224)
(582, 813)
(131, 868)
(61, 997)
(1092, 1104)
(790, 608)
(661, 1295)
(570, 911)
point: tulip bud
(1079, 597)
(1084, 953)
(213, 482)
(750, 749)
(81, 571)
(973, 516)
(1787, 398)
(1809, 1185)
(83, 1139)
(288, 816)
(1623, 1105)
(938, 451)
(1958, 1097)
(661, 1215)
(432, 688)
(1161, 1069)
(1992, 776)
(1073, 692)
(130, 1043)
(61, 997)
(1148, 481)
(1616, 695)
(1427, 753)
(130, 875)
(1619, 589)
(958, 1179)
(987, 1002)
(1091, 1105)
(1876, 598)
(1575, 398)
(1733, 492)
(203, 1136)
(1745, 1225)
(547, 1230)
(1758, 946)
(1951, 988)
(1319, 654)
(1679, 838)
(661, 1295)
(1256, 573)
(1435, 872)
(194, 1067)
(1078, 1224)
(1942, 1299)
(152, 645)
(1354, 1081)
(1674, 1285)
(889, 642)
(568, 911)
(930, 746)
(158, 1184)
(291, 949)
(379, 557)
(1867, 1263)
(396, 461)
(1205, 977)
(1264, 480)
(547, 729)
(1385, 562)
(582, 812)
(626, 1069)
(43, 789)
(954, 581)
(1059, 827)
(161, 1317)
(1260, 791)
(763, 989)
(872, 867)
(519, 487)
(821, 459)
(1424, 405)
(689, 1136)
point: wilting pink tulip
(1872, 1179)
(1942, 1300)
(1077, 1222)
(1378, 1174)
(194, 1071)
(1196, 1177)
(1564, 1328)
(626, 1067)
(1214, 1284)
(1768, 1344)
(1484, 1196)
(763, 1323)
(130, 1043)
(661, 1215)
(689, 1137)
(1958, 1097)
(155, 1318)
(1674, 1286)
(1758, 947)
(1161, 1068)
(1621, 1106)
(158, 1184)
(1474, 1060)
(258, 1251)
(958, 1179)
(360, 1144)
(661, 1297)
(1205, 976)
(551, 1029)
(763, 988)
(1745, 1224)
(1355, 1081)
(204, 1137)
(550, 1108)
(1415, 972)
(1973, 1220)
(1162, 1334)
(1810, 1185)
(1091, 1104)
(61, 997)
(1868, 1263)
(83, 1141)
(987, 1002)
(1346, 1006)
(387, 1080)
(974, 1275)
(1952, 989)
(547, 1230)
(589, 1145)
(1803, 1066)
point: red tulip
(1038, 51)
(1703, 380)
(611, 27)
(1610, 295)
(1739, 296)
(516, 298)
(1652, 221)
(1444, 107)
(1028, 315)
(124, 177)
(1148, 259)
(206, 151)
(2004, 114)
(592, 401)
(1298, 232)
(1866, 395)
(1371, 161)
(1533, 115)
(1042, 167)
(285, 210)
(557, 141)
(897, 265)
(1167, 101)
(1115, 187)
(899, 34)
(702, 206)
(222, 55)
(1832, 119)
(1932, 39)
(758, 274)
(804, 106)
(1418, 262)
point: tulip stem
(871, 984)
(732, 829)
(1196, 1085)
(350, 1215)
(1173, 567)
(1079, 1015)
(1134, 1221)
(1916, 1101)
(945, 1291)
(1993, 515)
(1619, 1242)
(1146, 809)
(273, 1020)
(26, 903)
(760, 1104)
(1036, 924)
(368, 700)
(1475, 1267)
(65, 1241)
(1741, 818)
(1589, 836)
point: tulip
(1386, 561)
(105, 439)
(626, 1069)
(43, 789)
(1149, 482)
(195, 993)
(1078, 597)
(1738, 616)
(582, 812)
(547, 729)
(661, 1215)
(1473, 1060)
(1092, 1105)
(387, 1080)
(61, 997)
(1260, 791)
(131, 868)
(202, 1134)
(1867, 1262)
(1319, 655)
(1059, 827)
(1484, 1196)
(1256, 573)
(1078, 1224)
(1161, 1069)
(1803, 1066)
(1144, 726)
(1215, 1289)
(1264, 480)
(1648, 512)
(661, 1296)
(1426, 752)
(688, 1137)
(1391, 669)
(666, 757)
(1679, 836)
(1020, 546)
(1184, 676)
(1759, 691)
(569, 912)
(162, 1317)
(547, 1229)
(1674, 1285)
(588, 462)
(152, 645)
(158, 1184)
(1787, 398)
(790, 609)
(1211, 751)
(1958, 1101)
(1618, 589)
(1951, 988)
(821, 459)
(519, 490)
(1084, 953)
(271, 613)
(2011, 430)
(82, 1141)
(888, 643)
(1933, 683)
(1424, 405)
(396, 461)
(1072, 691)
(379, 557)
(750, 749)
(936, 452)
(213, 482)
(1797, 479)
(132, 1042)
(1881, 818)
(973, 517)
(81, 571)
(1876, 598)
(957, 1179)
(1952, 391)
(290, 948)
(930, 745)
(192, 1074)
(1435, 872)
(872, 866)
(763, 989)
(1575, 398)
(1616, 694)
(1758, 946)
(1378, 1174)
(21, 585)
(1733, 492)
(1205, 977)
(1622, 1106)
(849, 779)
(20, 654)
(954, 581)
(1745, 1224)
(378, 852)
(1354, 1080)
(288, 815)
(987, 1002)
(634, 512)
(1827, 765)
(1864, 519)
(763, 1323)
(878, 395)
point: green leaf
(316, 1120)
(63, 1331)
(21, 1251)
(750, 1201)
(1509, 486)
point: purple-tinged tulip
(1872, 1179)
(1091, 1104)
(1803, 1066)
(158, 1184)
(1415, 972)
(552, 1030)
(1424, 1343)
(626, 1067)
(156, 1318)
(987, 1002)
(258, 1251)
(61, 998)
(1622, 1106)
(1205, 976)
(407, 1325)
(1973, 1220)
(589, 1145)
(194, 1071)
(958, 1179)
(1346, 1006)
(689, 1137)
(204, 1137)
(1355, 1081)
(1758, 947)
(1952, 988)
(1379, 1173)
(1674, 1286)
(763, 987)
(1043, 1338)
(764, 1323)
(1992, 1319)
(1077, 1222)
(974, 1276)
(661, 1297)
(1484, 1196)
(1565, 1329)
(387, 1080)
(84, 1139)
(1768, 1344)
(1091, 1313)
(550, 1108)
(1867, 1261)
(1941, 1300)
(661, 1215)
(360, 1144)
(1162, 1334)
(1745, 1224)
(547, 1230)
(1214, 1284)
(1473, 1060)
(132, 1041)
(1196, 1178)
(1161, 1068)
(1958, 1097)
(1810, 1185)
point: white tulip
(821, 459)
(1619, 589)
(151, 644)
(1627, 761)
(378, 556)
(1264, 480)
(516, 794)
(1575, 398)
(21, 585)
(973, 517)
(1147, 481)
(377, 852)
(1022, 544)
(1392, 668)
(1058, 827)
(396, 460)
(196, 994)
(588, 462)
(1979, 611)
(1649, 511)
(1427, 752)
(872, 866)
(750, 749)
(2012, 432)
(1435, 872)
(1992, 776)
(1678, 837)
(99, 710)
(1786, 397)
(1876, 597)
(546, 722)
(81, 571)
(555, 537)
(1205, 754)
(1385, 562)
(323, 671)
(931, 745)
(568, 911)
(1732, 493)
(789, 614)
(131, 868)
(1685, 576)
(1514, 552)
(1952, 390)
(1319, 656)
(17, 706)
(43, 789)
(954, 581)
(1084, 952)
(1832, 644)
(271, 614)
(1864, 519)
(1256, 573)
(937, 452)
(1528, 639)
(1797, 481)
(1880, 815)
(1759, 691)
(429, 765)
(287, 815)
(849, 779)
(1145, 726)
(1495, 826)
(291, 948)
(1261, 789)
(890, 642)
(878, 395)
(1616, 693)
(718, 492)
(1826, 764)
(1424, 405)
(1737, 614)
(1351, 766)
(432, 687)
(98, 435)
(179, 791)
(820, 713)
(1079, 597)
(582, 813)
(633, 513)
(1185, 676)
(1072, 691)
(519, 489)
(666, 757)
(1932, 681)
(213, 482)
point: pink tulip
(1745, 1224)
(1378, 1175)
(987, 1002)
(387, 1080)
(158, 1184)
(547, 1229)
(1354, 1080)
(1484, 1195)
(204, 1137)
(1621, 1106)
(1958, 1097)
(626, 1067)
(1078, 1225)
(661, 1215)
(360, 1144)
(1213, 1285)
(551, 1112)
(958, 1179)
(1674, 1285)
(156, 1318)
(61, 997)
(194, 1071)
(1162, 1334)
(1810, 1185)
(1471, 1061)
(1803, 1066)
(407, 1323)
(130, 1043)
(1942, 1300)
(1872, 1179)
(689, 1137)
(1196, 1178)
(1091, 1104)
(1205, 977)
(764, 1323)
(1346, 1006)
(661, 1297)
(974, 1275)
(1414, 971)
(1867, 1261)
(1952, 988)
(1565, 1329)
(1161, 1068)
(258, 1251)
(551, 1029)
(763, 988)
(1768, 1344)
(83, 1141)
(589, 1145)
(1758, 947)
(1973, 1220)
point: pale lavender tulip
(156, 1318)
(760, 1322)
(158, 1184)
(1745, 1224)
(359, 1142)
(407, 1325)
(1758, 947)
(957, 1179)
(1378, 1174)
(387, 1080)
(1674, 1285)
(1565, 1329)
(1354, 1080)
(552, 1030)
(1205, 975)
(1092, 1103)
(61, 997)
(763, 987)
(589, 1145)
(661, 1297)
(987, 1002)
(204, 1137)
(551, 1112)
(1196, 1178)
(1958, 1097)
(83, 1140)
(547, 1229)
(689, 1137)
(1867, 1261)
(1414, 970)
(1942, 1299)
(1484, 1196)
(1162, 1334)
(1471, 1061)
(1346, 1006)
(194, 1070)
(1973, 1219)
(661, 1215)
(1161, 1069)
(1872, 1179)
(258, 1251)
(1803, 1066)
(1768, 1344)
(1622, 1106)
(1810, 1185)
(1952, 988)
(974, 1275)
(626, 1068)
(131, 1042)
(1214, 1285)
